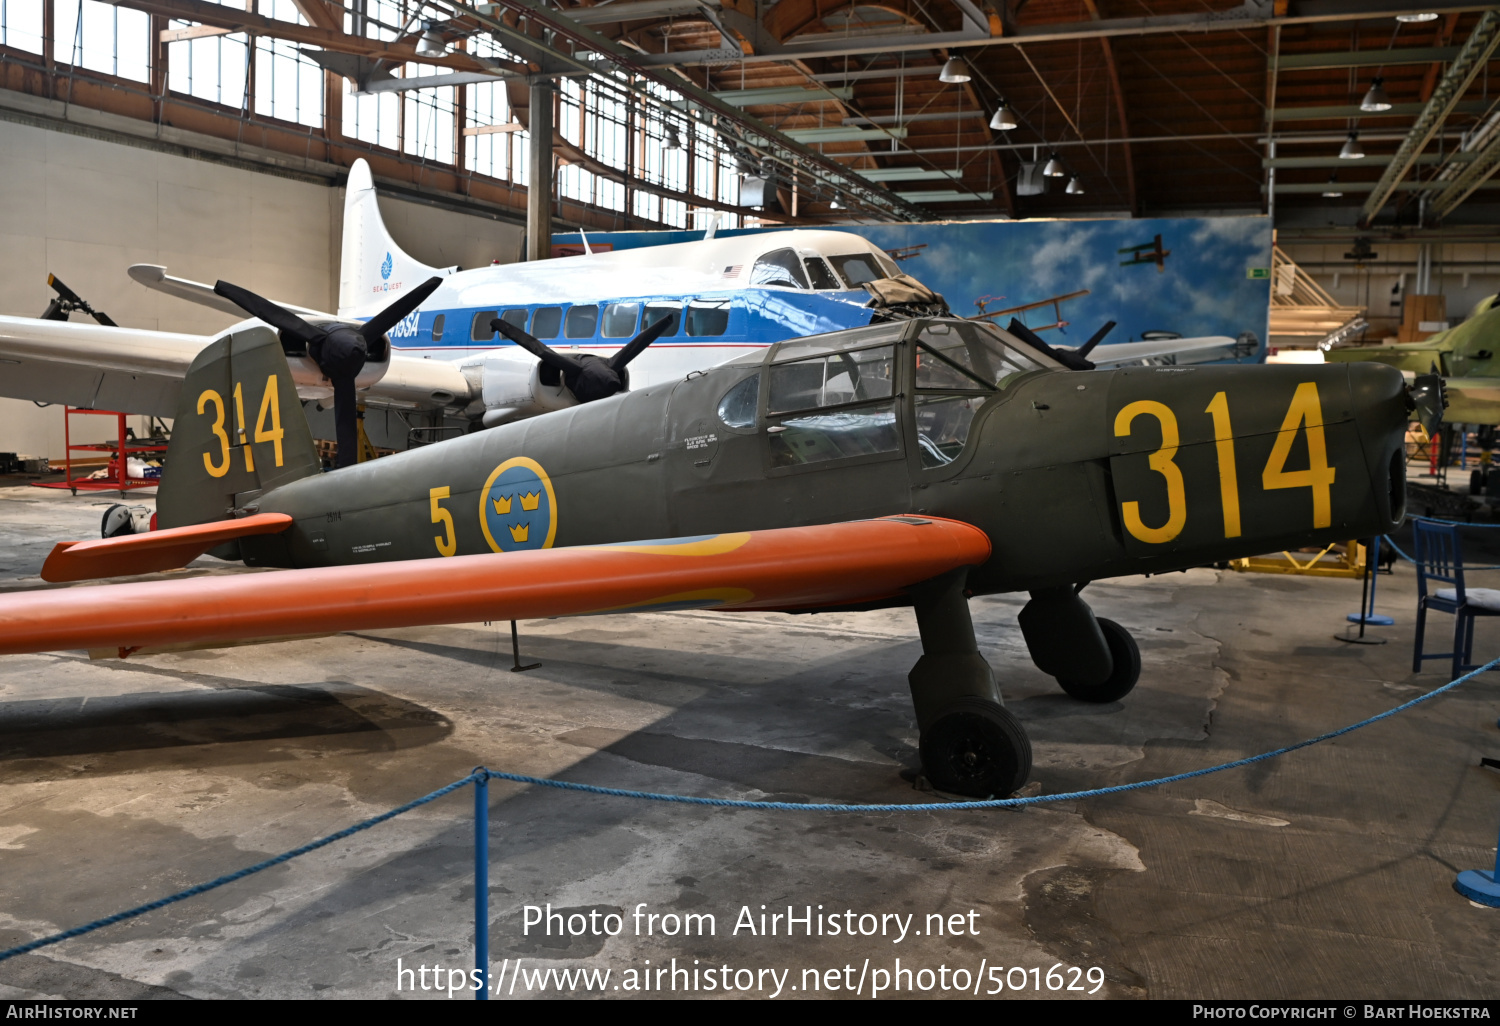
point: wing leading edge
(786, 569)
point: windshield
(968, 356)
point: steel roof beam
(1379, 160)
(1471, 60)
(1367, 58)
(1342, 112)
(1249, 15)
(1482, 164)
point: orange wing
(790, 568)
(156, 550)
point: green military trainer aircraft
(913, 462)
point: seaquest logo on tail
(385, 284)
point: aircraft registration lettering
(517, 507)
(1161, 462)
(267, 426)
(221, 467)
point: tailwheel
(975, 747)
(1127, 659)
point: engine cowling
(516, 387)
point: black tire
(1127, 657)
(976, 748)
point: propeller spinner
(339, 350)
(588, 377)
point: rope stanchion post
(482, 882)
(1479, 885)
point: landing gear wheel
(1127, 657)
(976, 748)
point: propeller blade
(551, 357)
(1094, 339)
(637, 345)
(1067, 357)
(1430, 399)
(345, 422)
(275, 316)
(388, 318)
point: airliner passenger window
(780, 267)
(656, 311)
(437, 327)
(820, 275)
(708, 316)
(515, 317)
(546, 321)
(737, 408)
(620, 318)
(481, 331)
(581, 322)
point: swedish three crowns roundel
(517, 508)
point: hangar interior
(215, 139)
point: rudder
(239, 431)
(373, 270)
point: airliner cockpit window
(820, 275)
(857, 268)
(779, 267)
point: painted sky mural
(1213, 280)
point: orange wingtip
(151, 552)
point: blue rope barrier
(482, 775)
(286, 856)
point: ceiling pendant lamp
(838, 201)
(1075, 187)
(671, 140)
(1418, 17)
(1332, 191)
(1375, 100)
(954, 71)
(431, 44)
(1352, 149)
(1054, 168)
(1004, 119)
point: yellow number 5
(447, 542)
(1161, 462)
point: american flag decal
(732, 271)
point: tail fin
(239, 430)
(372, 267)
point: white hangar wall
(85, 209)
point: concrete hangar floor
(1326, 873)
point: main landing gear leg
(971, 745)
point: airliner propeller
(1074, 359)
(587, 376)
(340, 350)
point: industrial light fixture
(1075, 187)
(1004, 119)
(1376, 100)
(1420, 16)
(954, 71)
(1352, 149)
(1333, 191)
(838, 201)
(431, 44)
(671, 140)
(1054, 168)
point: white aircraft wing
(94, 367)
(138, 371)
(155, 276)
(1166, 350)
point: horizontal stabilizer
(786, 569)
(153, 551)
(155, 276)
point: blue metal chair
(1439, 557)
